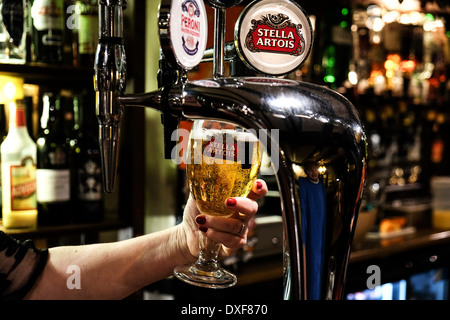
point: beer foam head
(205, 134)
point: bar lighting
(11, 89)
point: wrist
(182, 246)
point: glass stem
(209, 251)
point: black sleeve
(20, 265)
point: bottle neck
(2, 116)
(17, 117)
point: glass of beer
(223, 160)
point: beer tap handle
(219, 42)
(229, 53)
(237, 66)
(219, 33)
(169, 76)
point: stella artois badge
(273, 37)
(183, 31)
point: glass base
(205, 276)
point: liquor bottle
(334, 49)
(70, 34)
(48, 30)
(87, 12)
(18, 157)
(53, 172)
(86, 178)
(3, 134)
(28, 100)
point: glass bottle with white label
(18, 158)
(48, 30)
(53, 170)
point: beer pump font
(314, 125)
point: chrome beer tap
(304, 123)
(109, 84)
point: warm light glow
(353, 77)
(11, 88)
(376, 39)
(392, 64)
(416, 17)
(391, 4)
(378, 24)
(374, 10)
(433, 25)
(404, 6)
(410, 5)
(405, 19)
(407, 66)
(390, 16)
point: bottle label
(53, 185)
(88, 34)
(90, 182)
(48, 14)
(51, 40)
(23, 185)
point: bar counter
(397, 257)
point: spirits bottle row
(55, 178)
(48, 31)
(394, 66)
(373, 50)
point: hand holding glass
(223, 161)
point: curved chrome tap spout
(313, 124)
(297, 122)
(109, 84)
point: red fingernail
(258, 185)
(231, 202)
(203, 229)
(200, 219)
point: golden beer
(221, 164)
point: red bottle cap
(17, 115)
(20, 117)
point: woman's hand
(232, 231)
